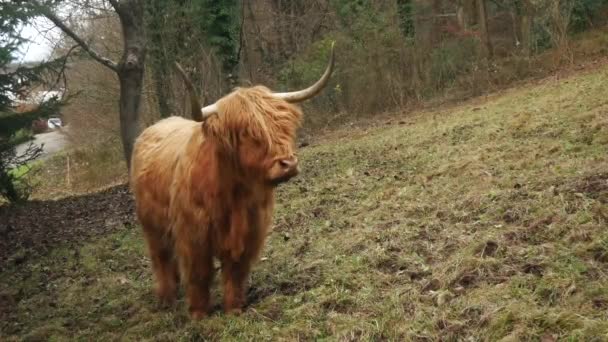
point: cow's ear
(207, 130)
(212, 128)
(223, 137)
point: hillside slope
(487, 221)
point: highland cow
(204, 189)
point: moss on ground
(486, 221)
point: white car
(54, 123)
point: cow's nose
(289, 163)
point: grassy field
(482, 222)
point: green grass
(24, 169)
(486, 221)
(21, 136)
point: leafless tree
(483, 26)
(130, 67)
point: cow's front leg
(163, 265)
(234, 275)
(196, 265)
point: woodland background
(391, 54)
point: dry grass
(484, 222)
(80, 170)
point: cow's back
(155, 156)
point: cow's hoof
(234, 311)
(167, 302)
(198, 314)
(167, 299)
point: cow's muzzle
(287, 169)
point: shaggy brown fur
(206, 190)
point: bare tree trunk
(416, 81)
(405, 11)
(158, 54)
(436, 28)
(483, 25)
(419, 51)
(461, 16)
(514, 26)
(131, 70)
(466, 14)
(162, 87)
(258, 44)
(560, 20)
(131, 82)
(526, 26)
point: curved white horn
(209, 110)
(301, 95)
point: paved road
(52, 142)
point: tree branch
(61, 72)
(241, 32)
(63, 27)
(115, 4)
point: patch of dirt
(302, 282)
(600, 303)
(594, 186)
(535, 269)
(35, 227)
(344, 306)
(488, 249)
(391, 264)
(599, 254)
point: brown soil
(595, 186)
(35, 227)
